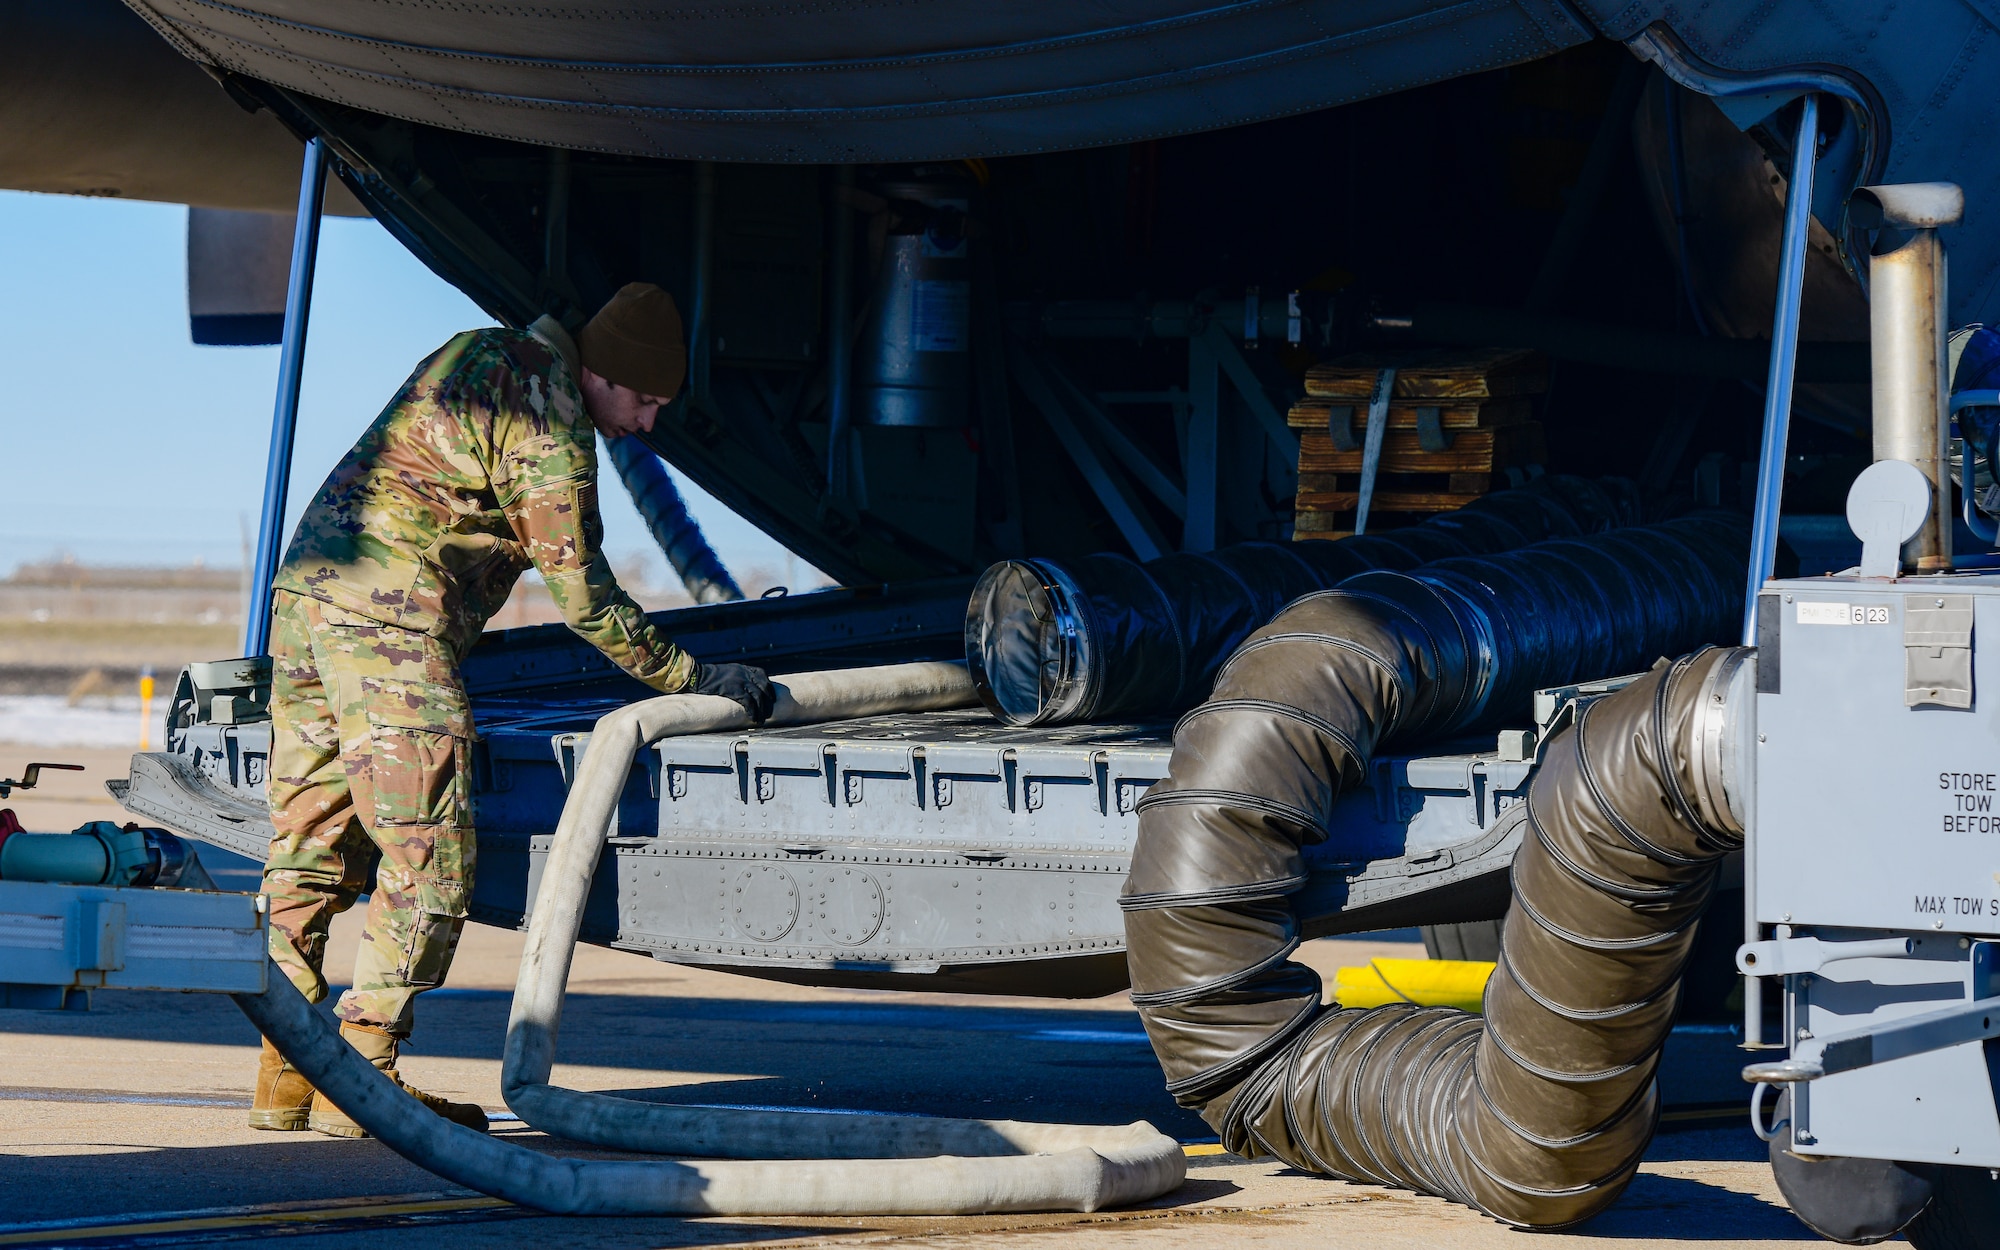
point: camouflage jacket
(484, 464)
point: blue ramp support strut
(1771, 477)
(285, 417)
(1784, 360)
(665, 513)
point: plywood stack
(1461, 423)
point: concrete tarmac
(124, 1125)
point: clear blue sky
(125, 443)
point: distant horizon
(784, 562)
(148, 451)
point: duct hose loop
(1676, 792)
(1269, 639)
(1634, 893)
(1539, 1113)
(1565, 934)
(772, 1162)
(1274, 708)
(1189, 993)
(1062, 679)
(1104, 638)
(1625, 830)
(1556, 1074)
(1444, 697)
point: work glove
(748, 686)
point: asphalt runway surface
(124, 1126)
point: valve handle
(32, 774)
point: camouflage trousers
(370, 790)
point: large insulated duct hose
(1105, 638)
(835, 1165)
(665, 513)
(1538, 1115)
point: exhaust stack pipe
(1906, 326)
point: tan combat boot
(283, 1096)
(379, 1048)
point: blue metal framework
(1784, 363)
(285, 417)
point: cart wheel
(1856, 1202)
(1964, 1211)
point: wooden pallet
(1410, 478)
(1327, 501)
(1460, 423)
(1313, 525)
(1447, 373)
(1469, 452)
(1392, 494)
(1317, 414)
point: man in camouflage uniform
(483, 465)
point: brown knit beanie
(635, 340)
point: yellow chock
(1426, 982)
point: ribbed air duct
(1539, 1115)
(679, 536)
(1105, 638)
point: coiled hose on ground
(1537, 1115)
(835, 1165)
(1103, 638)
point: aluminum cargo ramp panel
(892, 848)
(169, 789)
(926, 844)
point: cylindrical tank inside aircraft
(912, 365)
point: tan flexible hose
(806, 1163)
(1044, 1166)
(1078, 1179)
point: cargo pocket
(420, 760)
(434, 931)
(419, 777)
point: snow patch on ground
(50, 720)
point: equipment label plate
(1821, 613)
